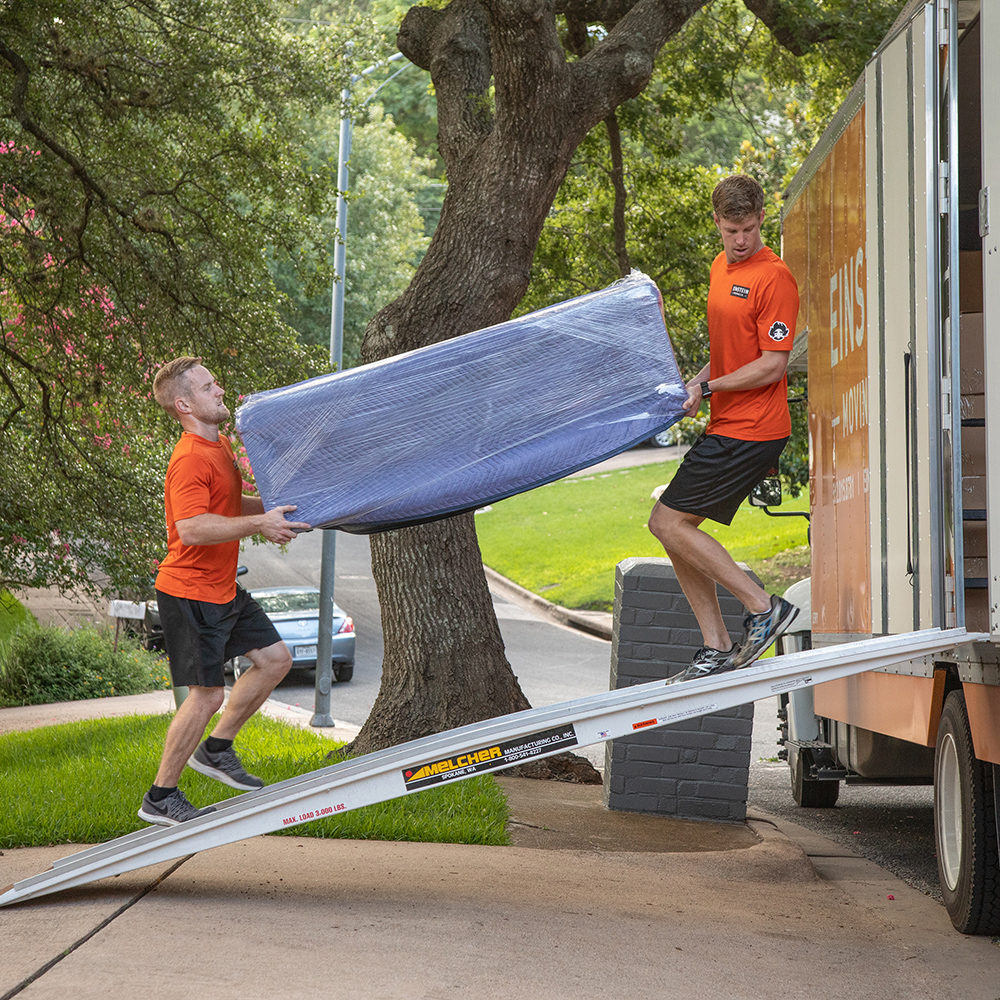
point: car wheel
(343, 672)
(808, 792)
(662, 440)
(965, 825)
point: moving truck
(892, 228)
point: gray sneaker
(706, 662)
(224, 766)
(759, 631)
(170, 811)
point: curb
(295, 715)
(597, 623)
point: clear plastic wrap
(456, 425)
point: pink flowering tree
(148, 173)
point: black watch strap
(705, 391)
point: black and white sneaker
(759, 631)
(224, 766)
(708, 661)
(171, 810)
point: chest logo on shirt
(778, 332)
(740, 291)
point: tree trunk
(444, 656)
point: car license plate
(305, 652)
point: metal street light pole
(328, 557)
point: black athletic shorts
(718, 473)
(199, 636)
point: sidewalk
(586, 901)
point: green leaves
(151, 168)
(43, 665)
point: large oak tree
(519, 85)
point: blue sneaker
(760, 631)
(708, 661)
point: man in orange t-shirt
(207, 619)
(753, 303)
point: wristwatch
(705, 391)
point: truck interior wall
(989, 275)
(971, 329)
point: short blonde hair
(737, 197)
(171, 381)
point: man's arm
(251, 504)
(765, 370)
(211, 529)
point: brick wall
(698, 768)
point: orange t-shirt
(202, 478)
(752, 308)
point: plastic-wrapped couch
(459, 424)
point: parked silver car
(295, 614)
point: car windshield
(299, 601)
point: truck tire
(808, 792)
(965, 829)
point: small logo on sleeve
(778, 332)
(740, 291)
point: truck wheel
(965, 825)
(809, 793)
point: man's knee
(675, 529)
(208, 699)
(275, 660)
(660, 523)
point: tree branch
(20, 112)
(790, 30)
(618, 183)
(620, 66)
(18, 399)
(453, 45)
(145, 221)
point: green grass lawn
(563, 541)
(82, 782)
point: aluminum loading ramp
(476, 749)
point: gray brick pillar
(696, 768)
